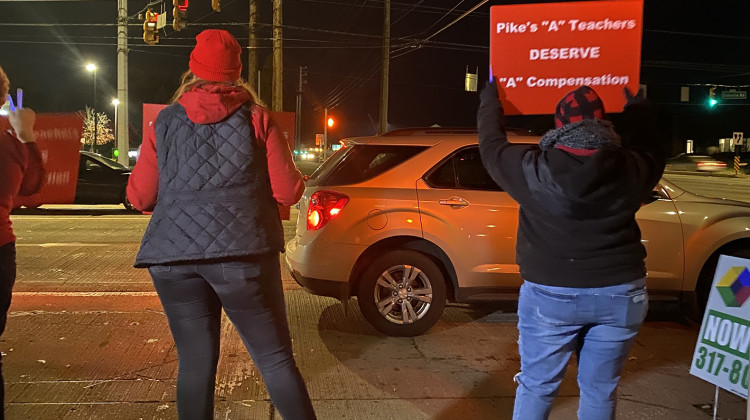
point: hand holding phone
(21, 119)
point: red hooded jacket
(21, 173)
(210, 104)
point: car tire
(695, 307)
(425, 294)
(126, 203)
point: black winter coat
(577, 223)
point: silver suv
(410, 219)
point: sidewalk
(111, 357)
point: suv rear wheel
(695, 305)
(402, 293)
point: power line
(407, 12)
(397, 6)
(420, 43)
(680, 33)
(163, 45)
(443, 17)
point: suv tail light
(324, 206)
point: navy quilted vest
(215, 198)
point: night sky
(684, 43)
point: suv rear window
(463, 170)
(361, 162)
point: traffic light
(216, 5)
(150, 32)
(712, 101)
(115, 153)
(330, 122)
(179, 13)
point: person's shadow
(434, 372)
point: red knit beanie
(216, 56)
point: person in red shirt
(21, 173)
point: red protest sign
(539, 52)
(58, 137)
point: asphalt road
(713, 186)
(87, 339)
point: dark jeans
(7, 279)
(251, 294)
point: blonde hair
(4, 86)
(189, 81)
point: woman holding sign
(21, 173)
(578, 246)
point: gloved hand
(489, 95)
(22, 120)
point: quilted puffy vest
(215, 198)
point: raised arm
(501, 158)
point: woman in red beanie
(213, 169)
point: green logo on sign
(734, 287)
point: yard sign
(539, 52)
(721, 354)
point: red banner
(150, 112)
(59, 139)
(539, 52)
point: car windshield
(360, 162)
(108, 163)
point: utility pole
(298, 114)
(386, 67)
(121, 126)
(252, 50)
(278, 62)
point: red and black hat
(582, 103)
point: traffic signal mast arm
(179, 15)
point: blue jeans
(250, 292)
(598, 324)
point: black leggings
(250, 291)
(7, 279)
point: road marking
(85, 294)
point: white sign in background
(721, 353)
(737, 137)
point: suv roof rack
(462, 131)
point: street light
(91, 68)
(116, 102)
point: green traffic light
(712, 102)
(115, 153)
